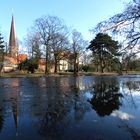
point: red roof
(22, 57)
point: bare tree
(126, 24)
(46, 27)
(59, 46)
(78, 46)
(33, 45)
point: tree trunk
(75, 65)
(47, 61)
(55, 67)
(102, 67)
(102, 70)
(77, 68)
(97, 68)
(101, 61)
(120, 69)
(1, 70)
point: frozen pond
(70, 108)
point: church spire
(13, 46)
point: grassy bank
(25, 74)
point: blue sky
(79, 14)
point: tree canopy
(104, 50)
(47, 27)
(1, 52)
(1, 42)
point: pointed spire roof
(12, 39)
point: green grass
(133, 72)
(25, 74)
(20, 74)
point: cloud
(122, 115)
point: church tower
(13, 45)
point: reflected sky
(62, 108)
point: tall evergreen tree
(104, 50)
(1, 52)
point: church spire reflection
(14, 102)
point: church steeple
(13, 46)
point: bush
(29, 64)
(85, 68)
(70, 70)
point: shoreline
(22, 75)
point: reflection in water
(122, 115)
(131, 91)
(68, 108)
(133, 85)
(14, 101)
(2, 108)
(133, 132)
(1, 118)
(9, 100)
(65, 101)
(106, 96)
(52, 121)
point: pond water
(70, 108)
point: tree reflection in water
(9, 99)
(133, 85)
(106, 96)
(130, 89)
(135, 134)
(66, 106)
(1, 117)
(57, 107)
